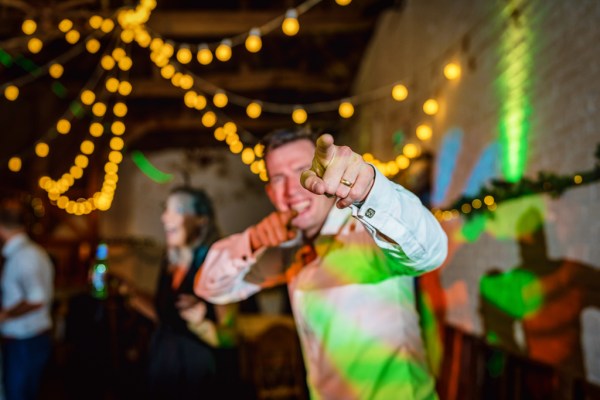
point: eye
(276, 180)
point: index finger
(325, 150)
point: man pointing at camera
(348, 242)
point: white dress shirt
(27, 276)
(353, 305)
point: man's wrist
(359, 203)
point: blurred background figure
(27, 291)
(183, 359)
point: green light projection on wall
(514, 88)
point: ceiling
(317, 65)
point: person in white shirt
(353, 301)
(27, 291)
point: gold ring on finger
(346, 182)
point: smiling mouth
(170, 231)
(300, 207)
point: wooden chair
(275, 362)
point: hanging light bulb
(204, 55)
(290, 25)
(127, 35)
(343, 2)
(107, 25)
(452, 71)
(116, 143)
(399, 92)
(186, 82)
(220, 99)
(236, 147)
(411, 150)
(65, 25)
(190, 98)
(299, 115)
(424, 132)
(96, 129)
(29, 27)
(431, 107)
(118, 53)
(112, 84)
(402, 161)
(99, 109)
(120, 109)
(14, 164)
(72, 36)
(125, 88)
(248, 156)
(125, 63)
(92, 46)
(209, 119)
(87, 147)
(167, 49)
(88, 97)
(107, 62)
(117, 128)
(167, 71)
(35, 45)
(42, 149)
(223, 51)
(200, 102)
(63, 126)
(95, 21)
(176, 79)
(253, 41)
(220, 134)
(184, 54)
(56, 70)
(259, 149)
(254, 109)
(346, 109)
(11, 92)
(82, 161)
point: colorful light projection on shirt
(513, 88)
(140, 160)
(350, 347)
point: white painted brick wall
(563, 85)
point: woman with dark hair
(182, 360)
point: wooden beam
(176, 132)
(242, 83)
(223, 24)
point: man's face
(176, 219)
(285, 165)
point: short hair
(201, 202)
(280, 137)
(13, 214)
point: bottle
(99, 289)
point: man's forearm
(19, 309)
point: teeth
(301, 206)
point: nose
(292, 185)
